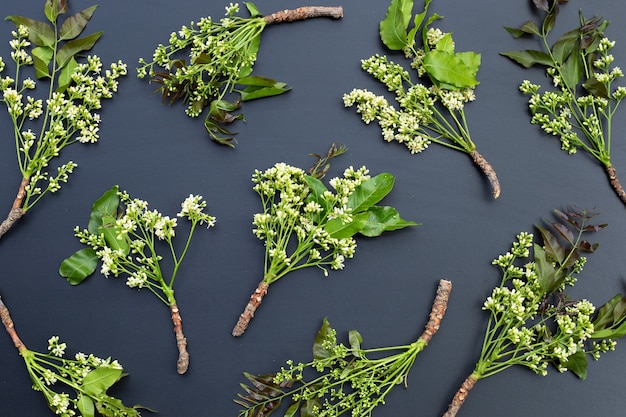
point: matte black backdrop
(159, 154)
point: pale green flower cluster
(578, 120)
(292, 225)
(529, 327)
(127, 245)
(419, 120)
(51, 372)
(220, 51)
(68, 116)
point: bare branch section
(16, 210)
(438, 310)
(183, 356)
(489, 172)
(461, 396)
(5, 317)
(303, 13)
(255, 301)
(617, 186)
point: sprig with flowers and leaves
(87, 377)
(43, 127)
(221, 55)
(125, 236)
(345, 379)
(304, 224)
(533, 322)
(579, 110)
(431, 112)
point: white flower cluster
(293, 219)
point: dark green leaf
(105, 205)
(100, 379)
(393, 28)
(42, 55)
(605, 315)
(311, 408)
(572, 70)
(110, 232)
(39, 33)
(337, 229)
(546, 273)
(450, 69)
(325, 334)
(260, 87)
(370, 192)
(528, 28)
(577, 363)
(85, 406)
(79, 266)
(316, 193)
(529, 57)
(550, 20)
(65, 77)
(596, 88)
(73, 47)
(564, 46)
(552, 246)
(383, 219)
(74, 25)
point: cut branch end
(255, 301)
(437, 311)
(303, 13)
(489, 172)
(181, 342)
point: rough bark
(461, 396)
(16, 210)
(617, 186)
(489, 172)
(5, 317)
(181, 341)
(303, 13)
(255, 301)
(438, 310)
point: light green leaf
(42, 55)
(529, 57)
(337, 229)
(445, 44)
(355, 339)
(85, 406)
(572, 70)
(383, 219)
(110, 231)
(546, 273)
(79, 266)
(370, 192)
(65, 77)
(417, 23)
(252, 9)
(393, 28)
(293, 408)
(311, 408)
(74, 25)
(259, 87)
(449, 69)
(105, 205)
(324, 334)
(53, 8)
(316, 193)
(75, 46)
(100, 379)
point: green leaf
(53, 8)
(528, 28)
(79, 266)
(105, 205)
(65, 77)
(393, 28)
(370, 192)
(605, 315)
(74, 25)
(383, 219)
(430, 20)
(252, 9)
(443, 67)
(324, 335)
(255, 92)
(71, 48)
(417, 22)
(355, 339)
(110, 232)
(552, 246)
(293, 408)
(572, 70)
(577, 363)
(445, 44)
(39, 33)
(546, 273)
(316, 193)
(596, 88)
(529, 57)
(564, 46)
(100, 379)
(311, 408)
(85, 406)
(337, 229)
(42, 55)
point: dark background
(157, 153)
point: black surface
(160, 155)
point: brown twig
(617, 186)
(489, 172)
(181, 341)
(437, 311)
(16, 210)
(255, 301)
(302, 13)
(10, 328)
(461, 396)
